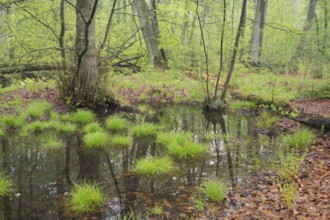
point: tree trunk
(308, 25)
(233, 58)
(258, 29)
(149, 34)
(86, 78)
(325, 37)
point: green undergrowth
(96, 139)
(92, 127)
(214, 190)
(266, 121)
(121, 142)
(145, 131)
(151, 166)
(300, 139)
(85, 198)
(162, 87)
(238, 104)
(116, 124)
(37, 109)
(5, 184)
(82, 116)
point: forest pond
(40, 176)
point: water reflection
(42, 178)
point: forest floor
(264, 200)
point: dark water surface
(41, 177)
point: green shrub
(289, 165)
(116, 123)
(145, 131)
(289, 193)
(96, 140)
(85, 198)
(151, 166)
(214, 190)
(38, 108)
(299, 139)
(121, 142)
(82, 116)
(64, 127)
(92, 127)
(11, 121)
(5, 184)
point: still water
(42, 178)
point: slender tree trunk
(325, 37)
(257, 34)
(233, 58)
(308, 25)
(149, 34)
(87, 76)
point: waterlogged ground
(41, 177)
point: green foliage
(237, 105)
(85, 198)
(92, 127)
(82, 116)
(152, 167)
(214, 190)
(266, 121)
(35, 127)
(52, 142)
(157, 210)
(116, 123)
(63, 127)
(121, 142)
(289, 166)
(145, 131)
(289, 193)
(300, 138)
(13, 122)
(5, 184)
(96, 140)
(38, 108)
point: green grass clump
(35, 127)
(52, 142)
(152, 166)
(116, 123)
(289, 165)
(236, 105)
(13, 122)
(289, 193)
(299, 139)
(96, 140)
(64, 127)
(38, 108)
(145, 131)
(85, 198)
(121, 142)
(82, 116)
(92, 127)
(214, 190)
(2, 132)
(5, 184)
(266, 121)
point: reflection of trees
(7, 214)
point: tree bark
(308, 25)
(150, 35)
(86, 78)
(257, 34)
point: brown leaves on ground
(313, 107)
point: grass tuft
(289, 166)
(96, 140)
(38, 108)
(62, 127)
(121, 142)
(237, 105)
(214, 190)
(116, 123)
(35, 127)
(5, 184)
(289, 193)
(299, 139)
(266, 121)
(82, 116)
(13, 122)
(151, 166)
(92, 127)
(145, 131)
(85, 198)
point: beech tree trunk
(308, 25)
(150, 34)
(85, 82)
(258, 29)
